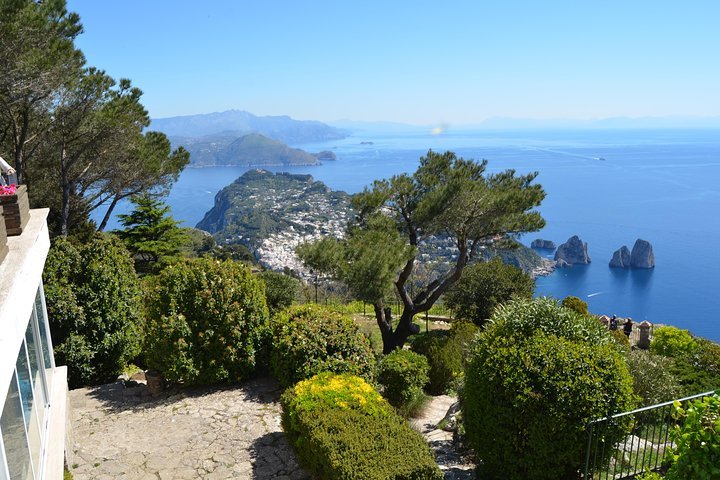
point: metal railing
(628, 444)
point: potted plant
(3, 239)
(16, 208)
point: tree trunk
(106, 218)
(65, 210)
(393, 340)
(384, 321)
(19, 166)
(66, 188)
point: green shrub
(622, 340)
(653, 381)
(697, 441)
(536, 376)
(672, 342)
(442, 364)
(93, 303)
(649, 476)
(446, 352)
(309, 339)
(403, 374)
(341, 428)
(204, 320)
(576, 305)
(700, 371)
(485, 285)
(280, 290)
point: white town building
(33, 391)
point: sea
(609, 187)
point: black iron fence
(631, 443)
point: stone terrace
(123, 433)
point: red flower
(8, 190)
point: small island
(641, 256)
(572, 252)
(541, 244)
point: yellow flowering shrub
(341, 428)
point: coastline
(258, 166)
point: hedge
(308, 339)
(204, 319)
(93, 303)
(341, 428)
(446, 352)
(536, 376)
(403, 374)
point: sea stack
(621, 258)
(642, 255)
(543, 244)
(572, 252)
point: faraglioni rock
(543, 244)
(572, 252)
(642, 255)
(621, 258)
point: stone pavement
(210, 433)
(454, 463)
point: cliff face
(621, 258)
(572, 252)
(642, 255)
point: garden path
(210, 433)
(453, 461)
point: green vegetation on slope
(261, 203)
(251, 149)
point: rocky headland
(572, 252)
(272, 213)
(252, 149)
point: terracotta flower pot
(155, 382)
(16, 210)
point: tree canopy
(448, 197)
(75, 135)
(485, 285)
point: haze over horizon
(419, 63)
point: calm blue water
(657, 185)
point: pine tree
(151, 234)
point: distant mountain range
(237, 123)
(239, 138)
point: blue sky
(417, 62)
